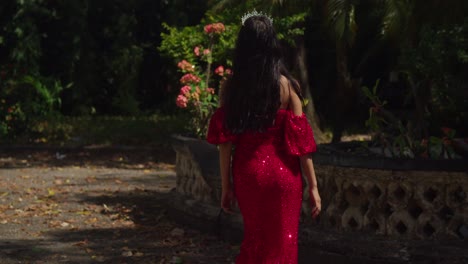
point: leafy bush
(397, 138)
(26, 99)
(436, 72)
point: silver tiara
(255, 13)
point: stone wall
(409, 204)
(197, 169)
(413, 204)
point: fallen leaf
(84, 212)
(82, 243)
(106, 209)
(91, 220)
(50, 192)
(90, 179)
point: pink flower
(185, 90)
(208, 28)
(189, 78)
(185, 66)
(228, 71)
(181, 101)
(220, 70)
(206, 51)
(210, 90)
(196, 50)
(216, 28)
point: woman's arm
(309, 172)
(227, 196)
(306, 162)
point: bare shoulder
(289, 96)
(285, 92)
(284, 85)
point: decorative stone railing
(412, 204)
(390, 198)
(420, 199)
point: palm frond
(396, 17)
(341, 18)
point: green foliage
(149, 130)
(45, 97)
(25, 100)
(124, 73)
(21, 36)
(436, 68)
(288, 18)
(342, 20)
(179, 43)
(397, 139)
(289, 28)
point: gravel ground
(95, 206)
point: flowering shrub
(215, 28)
(202, 68)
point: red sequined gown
(268, 185)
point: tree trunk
(341, 72)
(304, 80)
(345, 92)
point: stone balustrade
(409, 204)
(399, 203)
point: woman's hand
(227, 200)
(315, 202)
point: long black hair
(251, 97)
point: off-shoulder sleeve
(298, 135)
(217, 133)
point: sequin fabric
(267, 185)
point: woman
(261, 114)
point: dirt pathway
(88, 207)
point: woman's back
(262, 116)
